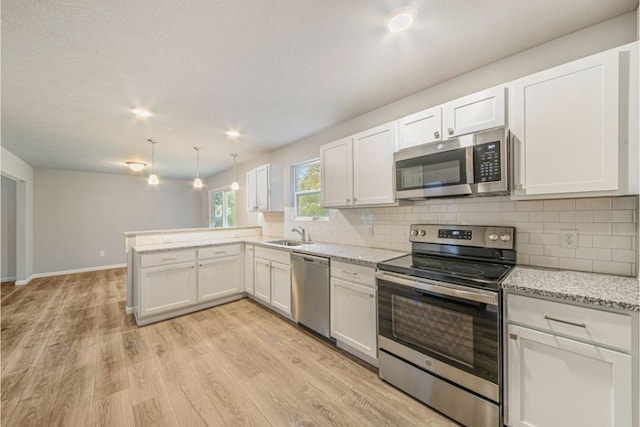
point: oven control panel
(464, 235)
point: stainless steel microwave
(470, 165)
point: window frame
(294, 193)
(224, 191)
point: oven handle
(469, 294)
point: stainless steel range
(439, 319)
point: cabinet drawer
(283, 257)
(354, 273)
(164, 258)
(603, 327)
(218, 251)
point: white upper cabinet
(473, 113)
(265, 189)
(566, 128)
(420, 128)
(373, 165)
(358, 170)
(336, 161)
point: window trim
(294, 193)
(224, 191)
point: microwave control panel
(486, 162)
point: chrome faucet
(301, 231)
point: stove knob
(414, 232)
(423, 233)
(493, 237)
(505, 237)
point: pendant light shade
(234, 185)
(197, 183)
(153, 178)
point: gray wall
(609, 34)
(79, 214)
(8, 231)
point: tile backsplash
(607, 228)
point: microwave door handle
(469, 164)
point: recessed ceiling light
(400, 19)
(136, 166)
(232, 133)
(141, 113)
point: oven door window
(460, 333)
(433, 170)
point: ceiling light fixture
(232, 133)
(400, 19)
(234, 185)
(153, 178)
(197, 183)
(136, 166)
(141, 113)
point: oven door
(449, 330)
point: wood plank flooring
(71, 357)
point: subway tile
(558, 251)
(625, 255)
(560, 205)
(437, 208)
(497, 207)
(593, 228)
(481, 207)
(508, 206)
(522, 237)
(530, 227)
(428, 216)
(412, 217)
(613, 216)
(543, 261)
(576, 264)
(529, 205)
(545, 238)
(593, 204)
(515, 216)
(544, 216)
(468, 216)
(585, 241)
(603, 254)
(522, 258)
(490, 218)
(576, 216)
(618, 242)
(448, 216)
(627, 202)
(608, 267)
(625, 229)
(556, 227)
(529, 249)
(454, 207)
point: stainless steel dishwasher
(310, 292)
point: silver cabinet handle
(349, 273)
(169, 259)
(355, 200)
(436, 134)
(566, 322)
(348, 200)
(220, 253)
(371, 296)
(450, 130)
(513, 336)
(199, 265)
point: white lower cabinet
(166, 288)
(248, 268)
(281, 287)
(262, 280)
(555, 378)
(219, 277)
(272, 279)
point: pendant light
(197, 183)
(153, 178)
(234, 185)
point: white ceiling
(278, 70)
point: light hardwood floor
(71, 357)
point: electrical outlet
(102, 253)
(569, 239)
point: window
(306, 191)
(222, 208)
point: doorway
(8, 250)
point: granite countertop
(353, 254)
(185, 230)
(574, 286)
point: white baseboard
(24, 281)
(8, 279)
(77, 270)
(128, 310)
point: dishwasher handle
(309, 259)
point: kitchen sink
(287, 242)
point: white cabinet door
(219, 278)
(248, 269)
(565, 128)
(373, 165)
(281, 287)
(479, 111)
(420, 128)
(336, 167)
(353, 316)
(262, 188)
(555, 381)
(167, 288)
(262, 279)
(252, 202)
